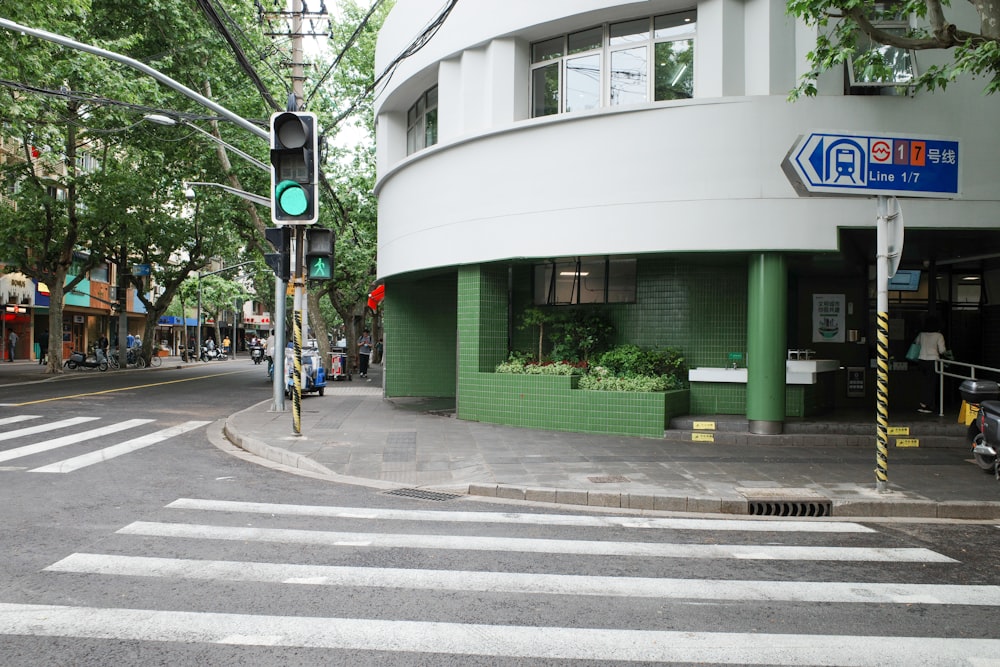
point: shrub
(518, 366)
(630, 368)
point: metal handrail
(939, 368)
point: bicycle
(132, 358)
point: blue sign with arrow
(828, 163)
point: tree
(841, 22)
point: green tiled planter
(553, 402)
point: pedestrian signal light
(319, 254)
(294, 168)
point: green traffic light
(291, 198)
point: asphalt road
(158, 544)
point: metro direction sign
(828, 163)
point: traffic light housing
(294, 168)
(280, 239)
(319, 254)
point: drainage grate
(422, 494)
(805, 508)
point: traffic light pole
(299, 279)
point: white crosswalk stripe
(80, 437)
(576, 547)
(198, 527)
(102, 455)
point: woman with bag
(932, 346)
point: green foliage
(577, 334)
(519, 366)
(631, 368)
(841, 23)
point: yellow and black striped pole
(882, 406)
(297, 376)
(889, 248)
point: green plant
(520, 366)
(631, 368)
(578, 334)
(535, 317)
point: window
(878, 65)
(99, 273)
(422, 122)
(569, 281)
(615, 64)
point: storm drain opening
(798, 508)
(421, 494)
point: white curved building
(625, 157)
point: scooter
(984, 428)
(79, 360)
(212, 354)
(256, 354)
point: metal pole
(197, 346)
(297, 330)
(278, 362)
(882, 331)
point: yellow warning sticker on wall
(702, 437)
(704, 426)
(908, 442)
(898, 430)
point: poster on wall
(828, 318)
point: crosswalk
(364, 570)
(11, 431)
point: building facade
(626, 157)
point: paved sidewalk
(352, 434)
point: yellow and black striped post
(297, 376)
(882, 403)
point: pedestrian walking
(364, 352)
(11, 345)
(932, 348)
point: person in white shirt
(932, 346)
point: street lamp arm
(145, 69)
(226, 268)
(249, 196)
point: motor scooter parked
(79, 360)
(984, 428)
(212, 354)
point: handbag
(913, 353)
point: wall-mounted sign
(828, 318)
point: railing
(944, 368)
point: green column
(767, 308)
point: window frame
(685, 30)
(562, 281)
(416, 121)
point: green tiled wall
(690, 302)
(552, 402)
(420, 325)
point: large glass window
(615, 64)
(422, 122)
(880, 65)
(569, 281)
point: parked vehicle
(79, 360)
(315, 374)
(212, 354)
(984, 429)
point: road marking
(17, 418)
(42, 428)
(101, 455)
(518, 518)
(530, 583)
(73, 439)
(578, 547)
(553, 643)
(133, 387)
